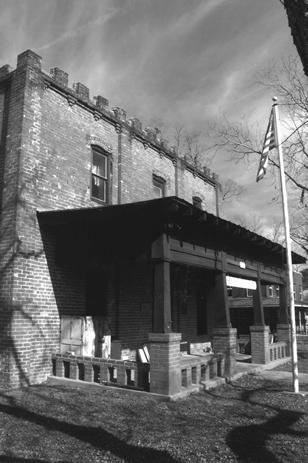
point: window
(300, 293)
(239, 292)
(99, 175)
(158, 187)
(249, 292)
(270, 290)
(197, 202)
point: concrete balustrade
(93, 369)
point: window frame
(159, 182)
(301, 294)
(97, 150)
(270, 291)
(197, 202)
(249, 292)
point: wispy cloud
(80, 30)
(194, 16)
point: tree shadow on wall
(17, 315)
(19, 245)
(11, 350)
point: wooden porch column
(258, 312)
(219, 297)
(162, 287)
(283, 327)
(283, 305)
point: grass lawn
(247, 421)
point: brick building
(100, 218)
(241, 309)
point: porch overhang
(127, 230)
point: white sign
(240, 283)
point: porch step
(242, 357)
(213, 383)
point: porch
(155, 274)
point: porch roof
(136, 225)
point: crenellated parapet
(79, 94)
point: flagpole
(288, 248)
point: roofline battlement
(149, 136)
(58, 80)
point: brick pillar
(259, 344)
(165, 367)
(225, 341)
(284, 335)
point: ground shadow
(95, 436)
(249, 442)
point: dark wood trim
(161, 285)
(257, 301)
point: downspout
(176, 176)
(217, 195)
(119, 132)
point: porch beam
(162, 287)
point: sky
(186, 63)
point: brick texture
(46, 133)
(259, 344)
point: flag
(269, 144)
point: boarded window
(71, 334)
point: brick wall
(138, 166)
(46, 162)
(63, 172)
(191, 185)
